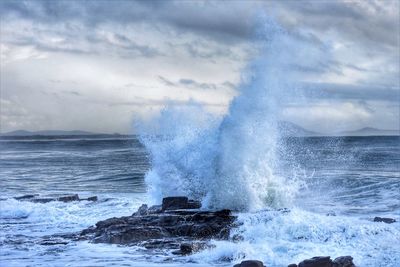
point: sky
(100, 65)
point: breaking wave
(230, 161)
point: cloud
(65, 58)
(348, 91)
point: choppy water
(354, 178)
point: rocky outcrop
(177, 224)
(385, 220)
(325, 261)
(36, 198)
(250, 263)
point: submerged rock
(63, 198)
(385, 220)
(176, 224)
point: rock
(69, 198)
(343, 261)
(292, 265)
(52, 242)
(143, 210)
(63, 198)
(26, 197)
(93, 198)
(385, 220)
(193, 247)
(250, 263)
(155, 209)
(193, 204)
(173, 203)
(317, 262)
(42, 200)
(158, 226)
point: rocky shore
(178, 225)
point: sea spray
(230, 161)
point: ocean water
(240, 160)
(346, 182)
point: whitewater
(295, 197)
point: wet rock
(250, 263)
(317, 262)
(191, 247)
(193, 204)
(154, 226)
(53, 242)
(93, 198)
(42, 200)
(36, 198)
(70, 198)
(174, 203)
(24, 197)
(292, 265)
(343, 261)
(385, 220)
(143, 210)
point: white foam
(279, 239)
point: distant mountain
(368, 131)
(287, 128)
(47, 133)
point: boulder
(292, 265)
(385, 220)
(250, 263)
(343, 261)
(321, 261)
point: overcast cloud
(98, 65)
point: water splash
(231, 162)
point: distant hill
(287, 128)
(368, 131)
(47, 133)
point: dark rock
(42, 200)
(385, 220)
(193, 204)
(26, 197)
(143, 210)
(52, 242)
(173, 203)
(193, 247)
(292, 265)
(69, 198)
(93, 198)
(156, 227)
(317, 262)
(250, 263)
(343, 261)
(155, 209)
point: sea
(344, 182)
